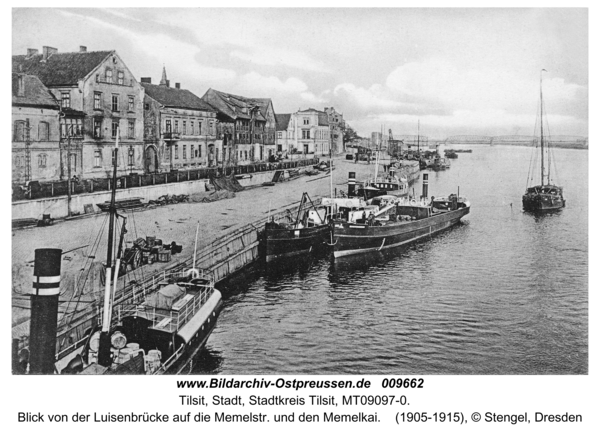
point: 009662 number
(402, 383)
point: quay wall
(57, 207)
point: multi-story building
(283, 144)
(246, 126)
(99, 99)
(337, 126)
(180, 129)
(36, 152)
(308, 132)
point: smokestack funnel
(351, 184)
(425, 185)
(44, 310)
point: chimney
(20, 85)
(178, 85)
(47, 52)
(31, 52)
(82, 48)
(146, 80)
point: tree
(350, 134)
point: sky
(456, 71)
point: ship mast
(542, 125)
(104, 355)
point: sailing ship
(290, 236)
(157, 331)
(394, 222)
(545, 196)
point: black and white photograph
(308, 192)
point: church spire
(163, 80)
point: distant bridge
(522, 140)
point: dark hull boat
(398, 223)
(286, 241)
(289, 237)
(545, 196)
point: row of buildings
(69, 108)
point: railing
(37, 190)
(173, 320)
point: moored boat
(546, 196)
(291, 236)
(396, 222)
(156, 328)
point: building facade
(36, 152)
(309, 133)
(281, 140)
(180, 129)
(99, 100)
(246, 126)
(337, 126)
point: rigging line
(78, 286)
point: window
(115, 128)
(115, 103)
(199, 155)
(131, 128)
(192, 131)
(192, 154)
(97, 128)
(245, 154)
(43, 131)
(306, 134)
(42, 159)
(210, 128)
(70, 127)
(109, 76)
(120, 77)
(146, 106)
(184, 128)
(130, 103)
(19, 161)
(19, 131)
(176, 147)
(200, 127)
(98, 158)
(176, 127)
(184, 151)
(97, 100)
(65, 98)
(306, 121)
(168, 125)
(279, 134)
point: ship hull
(350, 239)
(282, 243)
(542, 202)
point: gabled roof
(176, 98)
(234, 105)
(35, 93)
(323, 119)
(282, 121)
(60, 69)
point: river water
(505, 292)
